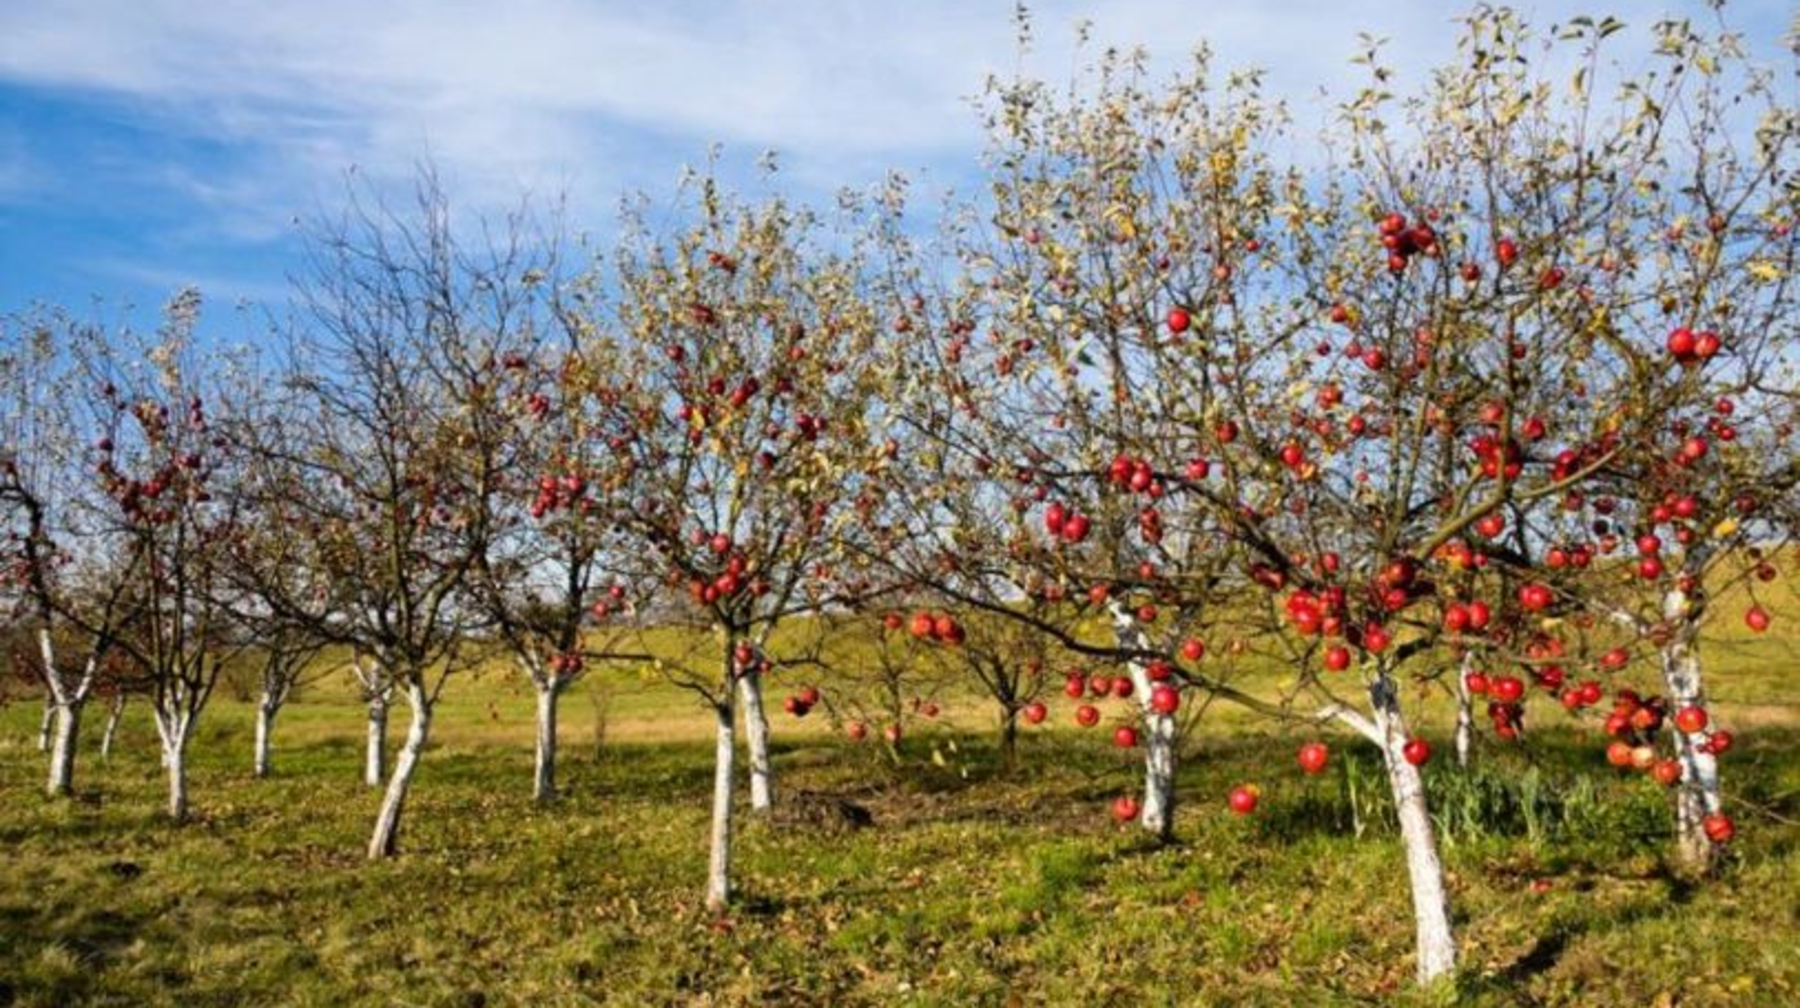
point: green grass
(969, 889)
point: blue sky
(146, 144)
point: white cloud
(554, 94)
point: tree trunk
(162, 734)
(543, 786)
(375, 753)
(1158, 814)
(175, 734)
(1009, 738)
(62, 752)
(1436, 946)
(1465, 715)
(385, 840)
(1698, 794)
(45, 723)
(718, 864)
(266, 709)
(115, 712)
(756, 740)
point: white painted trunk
(162, 735)
(63, 747)
(543, 786)
(1465, 713)
(375, 752)
(756, 740)
(385, 840)
(1698, 794)
(175, 763)
(718, 862)
(1435, 944)
(265, 726)
(114, 714)
(45, 723)
(1158, 805)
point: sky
(150, 144)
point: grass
(968, 889)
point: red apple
(1691, 719)
(1535, 597)
(1756, 618)
(1164, 699)
(1243, 799)
(1666, 772)
(1506, 251)
(1719, 828)
(1314, 756)
(1416, 751)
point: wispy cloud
(593, 96)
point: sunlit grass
(969, 889)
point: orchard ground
(968, 888)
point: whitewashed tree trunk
(162, 735)
(46, 722)
(66, 700)
(375, 752)
(63, 747)
(1465, 713)
(1158, 807)
(756, 739)
(385, 840)
(1698, 795)
(114, 714)
(1436, 945)
(543, 786)
(718, 862)
(175, 729)
(266, 709)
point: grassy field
(967, 889)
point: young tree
(1057, 418)
(391, 482)
(742, 420)
(166, 460)
(885, 675)
(1009, 660)
(68, 573)
(1673, 226)
(552, 580)
(287, 664)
